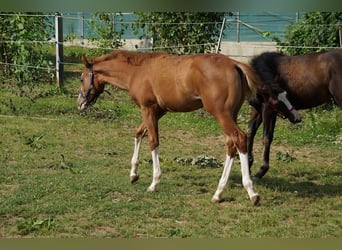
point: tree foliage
(180, 32)
(21, 50)
(108, 33)
(314, 32)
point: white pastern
(156, 170)
(246, 178)
(135, 159)
(224, 178)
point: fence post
(220, 37)
(82, 29)
(59, 49)
(238, 27)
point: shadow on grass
(301, 188)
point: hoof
(255, 200)
(256, 178)
(134, 178)
(150, 189)
(216, 200)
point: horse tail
(250, 78)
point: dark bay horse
(309, 81)
(159, 83)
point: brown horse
(159, 82)
(309, 81)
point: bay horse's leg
(335, 89)
(269, 121)
(236, 140)
(254, 124)
(141, 132)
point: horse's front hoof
(151, 189)
(255, 200)
(216, 200)
(134, 178)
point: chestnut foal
(159, 83)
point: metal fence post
(218, 46)
(238, 27)
(59, 49)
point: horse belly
(180, 104)
(309, 99)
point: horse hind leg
(246, 179)
(240, 141)
(140, 134)
(226, 171)
(236, 140)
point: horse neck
(114, 73)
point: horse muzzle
(295, 117)
(82, 103)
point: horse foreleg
(141, 132)
(269, 121)
(254, 124)
(151, 115)
(156, 170)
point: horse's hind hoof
(257, 177)
(255, 200)
(134, 178)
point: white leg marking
(282, 97)
(224, 178)
(246, 178)
(135, 159)
(156, 170)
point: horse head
(276, 98)
(91, 87)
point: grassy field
(66, 174)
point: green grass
(65, 174)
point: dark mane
(266, 64)
(133, 58)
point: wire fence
(78, 32)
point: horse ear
(85, 61)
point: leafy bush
(177, 32)
(22, 54)
(107, 34)
(314, 32)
